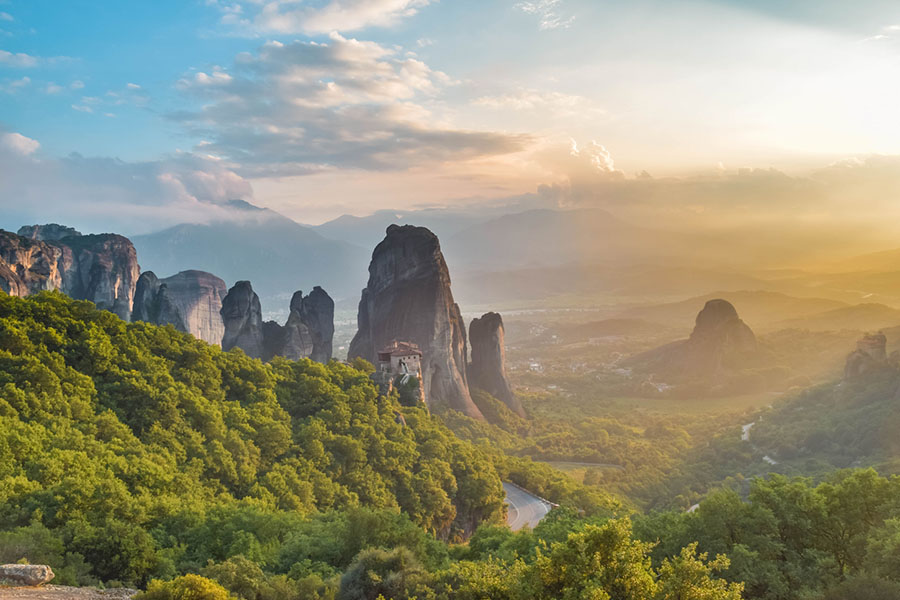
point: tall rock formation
(242, 317)
(870, 355)
(408, 298)
(100, 268)
(487, 371)
(720, 342)
(191, 301)
(308, 332)
(317, 313)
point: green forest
(135, 455)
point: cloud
(19, 144)
(308, 107)
(11, 87)
(548, 13)
(105, 194)
(18, 60)
(555, 103)
(5, 16)
(132, 86)
(76, 85)
(297, 16)
(52, 88)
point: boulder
(870, 355)
(25, 574)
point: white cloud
(82, 108)
(11, 87)
(104, 194)
(552, 103)
(52, 88)
(19, 59)
(133, 86)
(306, 107)
(76, 85)
(548, 13)
(297, 16)
(19, 144)
(4, 16)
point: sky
(137, 115)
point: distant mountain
(278, 255)
(862, 317)
(762, 309)
(368, 231)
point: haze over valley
(421, 299)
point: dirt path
(60, 592)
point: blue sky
(317, 108)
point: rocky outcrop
(487, 371)
(317, 313)
(25, 574)
(48, 232)
(408, 298)
(100, 268)
(191, 301)
(308, 332)
(242, 318)
(870, 355)
(720, 343)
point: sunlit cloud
(18, 143)
(549, 13)
(305, 107)
(297, 16)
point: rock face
(48, 232)
(487, 371)
(870, 355)
(408, 298)
(100, 268)
(720, 342)
(191, 301)
(308, 332)
(317, 313)
(242, 318)
(25, 574)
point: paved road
(524, 509)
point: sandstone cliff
(100, 268)
(242, 318)
(487, 371)
(191, 301)
(408, 298)
(48, 232)
(308, 332)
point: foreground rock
(408, 298)
(100, 268)
(487, 371)
(870, 355)
(25, 574)
(190, 301)
(242, 318)
(59, 592)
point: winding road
(524, 508)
